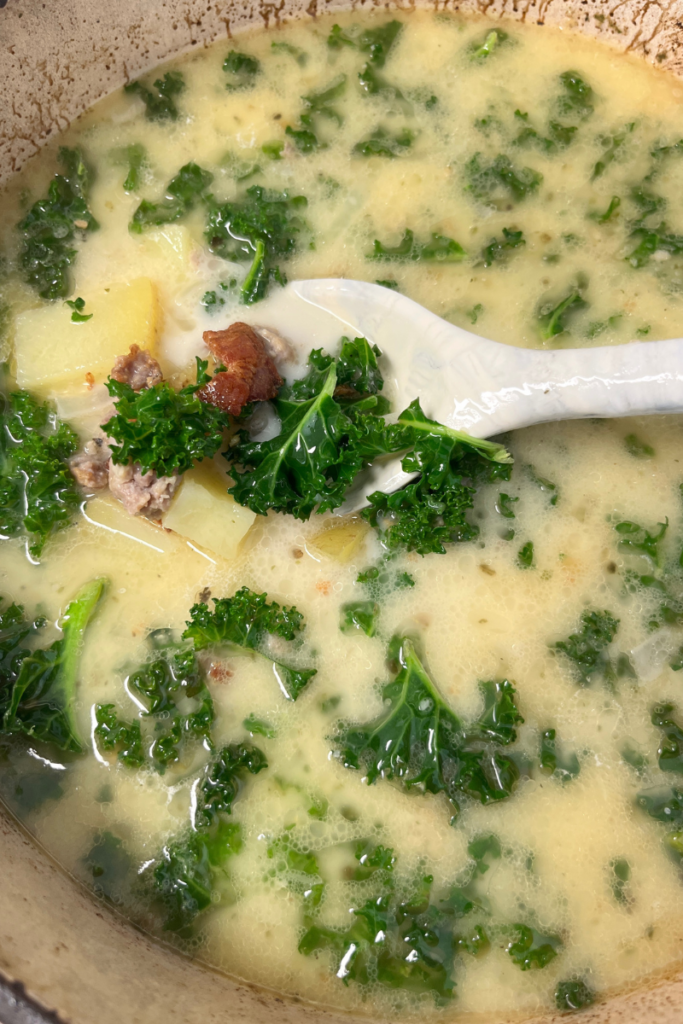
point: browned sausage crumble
(250, 374)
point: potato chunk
(52, 353)
(341, 539)
(203, 512)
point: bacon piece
(250, 374)
(139, 369)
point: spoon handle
(519, 387)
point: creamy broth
(573, 857)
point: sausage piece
(250, 374)
(138, 368)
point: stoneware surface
(64, 957)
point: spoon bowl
(483, 387)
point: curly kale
(317, 105)
(670, 752)
(241, 71)
(162, 106)
(247, 622)
(41, 703)
(376, 42)
(162, 686)
(261, 228)
(164, 429)
(498, 249)
(381, 143)
(438, 250)
(577, 96)
(553, 318)
(191, 870)
(587, 649)
(431, 512)
(651, 240)
(182, 193)
(329, 431)
(15, 630)
(38, 496)
(529, 948)
(420, 741)
(499, 182)
(49, 229)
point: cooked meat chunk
(250, 374)
(91, 466)
(139, 369)
(141, 492)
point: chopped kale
(530, 949)
(273, 150)
(160, 107)
(431, 512)
(525, 555)
(613, 146)
(499, 249)
(260, 228)
(164, 429)
(136, 157)
(182, 193)
(299, 55)
(109, 865)
(15, 630)
(482, 848)
(317, 105)
(500, 182)
(359, 615)
(43, 697)
(553, 318)
(577, 97)
(559, 136)
(670, 752)
(257, 727)
(247, 622)
(635, 539)
(652, 240)
(38, 495)
(637, 448)
(587, 649)
(438, 250)
(376, 42)
(372, 83)
(48, 230)
(77, 314)
(324, 441)
(420, 741)
(620, 876)
(241, 71)
(663, 805)
(114, 735)
(223, 780)
(562, 766)
(488, 45)
(574, 994)
(381, 143)
(611, 211)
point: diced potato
(342, 540)
(54, 353)
(172, 245)
(109, 514)
(206, 514)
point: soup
(419, 761)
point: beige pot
(73, 955)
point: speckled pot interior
(63, 956)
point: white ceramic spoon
(484, 388)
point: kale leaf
(499, 182)
(241, 71)
(553, 762)
(260, 228)
(438, 250)
(192, 869)
(650, 241)
(499, 249)
(488, 45)
(359, 616)
(164, 429)
(587, 648)
(420, 740)
(317, 105)
(248, 622)
(182, 193)
(159, 107)
(431, 512)
(14, 631)
(376, 42)
(136, 157)
(577, 97)
(381, 143)
(42, 701)
(48, 230)
(635, 539)
(329, 432)
(670, 752)
(529, 948)
(559, 136)
(38, 494)
(114, 735)
(553, 318)
(574, 994)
